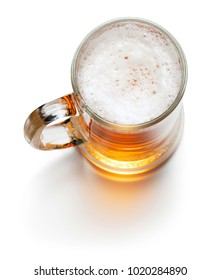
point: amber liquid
(131, 151)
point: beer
(130, 73)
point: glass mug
(116, 146)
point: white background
(55, 209)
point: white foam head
(129, 72)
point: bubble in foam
(133, 71)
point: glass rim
(128, 127)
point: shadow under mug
(124, 149)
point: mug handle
(54, 125)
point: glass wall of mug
(130, 150)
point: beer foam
(129, 73)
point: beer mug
(125, 113)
